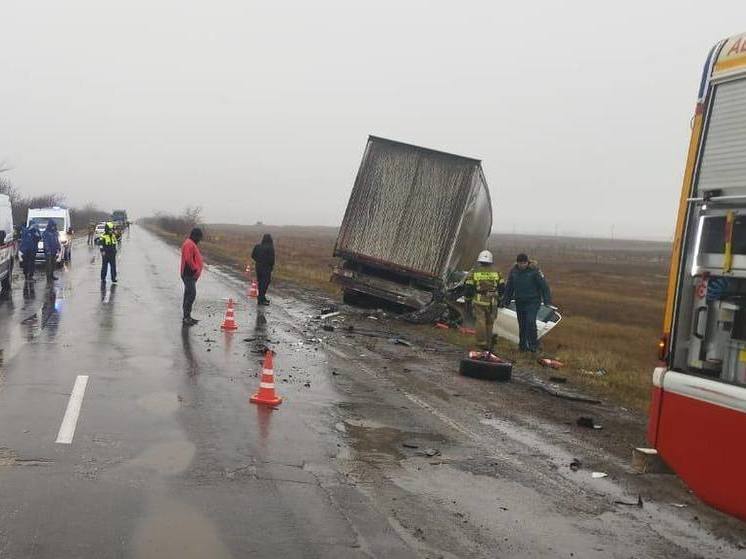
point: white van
(61, 217)
(8, 244)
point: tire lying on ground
(486, 370)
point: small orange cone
(266, 394)
(229, 322)
(253, 291)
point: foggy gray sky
(580, 111)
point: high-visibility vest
(485, 281)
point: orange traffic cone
(253, 291)
(229, 322)
(266, 394)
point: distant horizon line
(649, 239)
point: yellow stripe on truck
(678, 241)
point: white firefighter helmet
(485, 257)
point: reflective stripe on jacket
(483, 286)
(108, 243)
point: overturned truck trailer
(416, 219)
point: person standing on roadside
(108, 245)
(264, 260)
(30, 238)
(191, 269)
(51, 240)
(91, 232)
(526, 284)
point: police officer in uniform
(108, 244)
(483, 286)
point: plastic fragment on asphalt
(329, 315)
(599, 475)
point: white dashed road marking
(70, 421)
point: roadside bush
(177, 224)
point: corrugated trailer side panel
(406, 207)
(475, 227)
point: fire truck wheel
(486, 370)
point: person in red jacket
(191, 269)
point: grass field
(611, 295)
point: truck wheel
(486, 370)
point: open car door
(506, 323)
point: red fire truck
(698, 409)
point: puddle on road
(175, 529)
(167, 458)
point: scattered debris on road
(599, 475)
(585, 421)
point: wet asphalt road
(169, 459)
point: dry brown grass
(611, 295)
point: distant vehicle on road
(8, 245)
(98, 232)
(416, 219)
(61, 217)
(698, 406)
(120, 217)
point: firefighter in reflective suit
(483, 287)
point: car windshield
(41, 222)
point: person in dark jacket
(264, 259)
(526, 284)
(108, 246)
(30, 238)
(51, 239)
(191, 269)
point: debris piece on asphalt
(249, 339)
(558, 380)
(575, 465)
(637, 503)
(329, 315)
(328, 310)
(328, 327)
(678, 505)
(371, 317)
(407, 444)
(401, 341)
(588, 422)
(441, 325)
(598, 475)
(430, 452)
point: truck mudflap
(380, 288)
